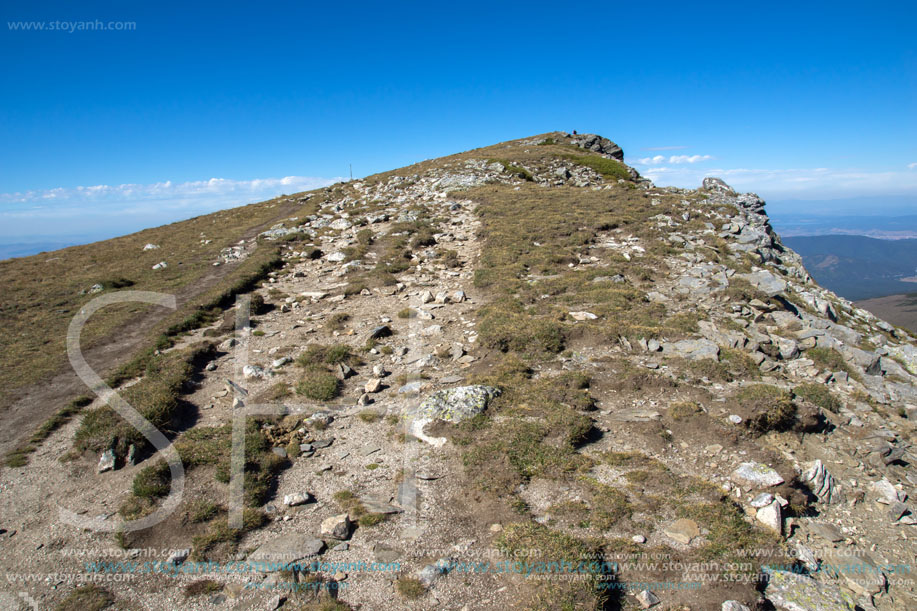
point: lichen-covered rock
(456, 404)
(793, 592)
(907, 354)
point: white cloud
(674, 159)
(126, 193)
(688, 158)
(118, 209)
(912, 166)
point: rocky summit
(519, 377)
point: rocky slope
(517, 377)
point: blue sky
(205, 105)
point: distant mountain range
(887, 227)
(858, 267)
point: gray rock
(887, 493)
(762, 500)
(376, 505)
(281, 452)
(692, 349)
(896, 510)
(859, 572)
(598, 144)
(828, 532)
(765, 281)
(718, 185)
(908, 355)
(733, 605)
(794, 592)
(411, 388)
(456, 404)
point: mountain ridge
(658, 374)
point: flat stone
(375, 505)
(682, 530)
(733, 605)
(762, 500)
(372, 386)
(635, 415)
(386, 553)
(828, 532)
(757, 474)
(692, 349)
(765, 281)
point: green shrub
(318, 385)
(819, 395)
(609, 168)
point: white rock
(297, 498)
(107, 461)
(771, 516)
(757, 474)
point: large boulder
(765, 281)
(457, 404)
(717, 185)
(598, 144)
